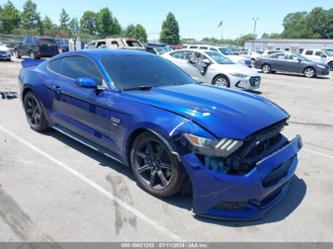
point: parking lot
(55, 189)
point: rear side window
(193, 47)
(114, 44)
(180, 55)
(309, 52)
(213, 49)
(101, 44)
(56, 65)
(133, 43)
(46, 42)
(204, 48)
(277, 56)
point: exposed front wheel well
(25, 91)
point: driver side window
(75, 67)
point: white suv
(127, 43)
(224, 51)
(323, 56)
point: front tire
(34, 112)
(221, 80)
(266, 68)
(309, 72)
(17, 54)
(331, 65)
(32, 55)
(155, 168)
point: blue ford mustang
(224, 145)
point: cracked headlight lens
(212, 147)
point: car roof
(99, 53)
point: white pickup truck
(319, 55)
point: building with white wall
(288, 44)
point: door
(84, 111)
(277, 61)
(292, 63)
(197, 68)
(23, 47)
(180, 58)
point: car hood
(237, 68)
(223, 112)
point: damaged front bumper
(248, 196)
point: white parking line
(319, 153)
(97, 187)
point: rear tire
(17, 54)
(221, 80)
(266, 68)
(32, 55)
(156, 170)
(34, 112)
(309, 72)
(331, 65)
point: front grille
(254, 80)
(3, 52)
(256, 147)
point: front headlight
(210, 147)
(321, 66)
(239, 75)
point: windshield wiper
(144, 88)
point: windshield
(143, 70)
(46, 41)
(329, 52)
(302, 57)
(226, 51)
(218, 58)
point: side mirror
(299, 60)
(86, 82)
(206, 61)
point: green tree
(74, 27)
(89, 23)
(116, 28)
(47, 23)
(140, 33)
(104, 22)
(170, 30)
(30, 18)
(48, 27)
(296, 26)
(318, 23)
(130, 31)
(10, 17)
(244, 38)
(64, 20)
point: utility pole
(255, 20)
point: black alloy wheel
(156, 169)
(34, 112)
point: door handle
(57, 90)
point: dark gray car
(291, 62)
